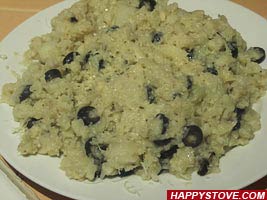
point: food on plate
(137, 87)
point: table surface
(17, 11)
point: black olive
(189, 82)
(151, 4)
(212, 154)
(260, 54)
(25, 93)
(234, 49)
(88, 115)
(123, 173)
(165, 122)
(150, 90)
(169, 153)
(70, 57)
(190, 54)
(162, 142)
(203, 167)
(239, 112)
(73, 20)
(87, 57)
(176, 94)
(98, 171)
(156, 37)
(31, 122)
(101, 64)
(97, 154)
(52, 74)
(192, 136)
(103, 147)
(98, 158)
(237, 126)
(87, 146)
(212, 70)
(113, 28)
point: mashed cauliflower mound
(123, 87)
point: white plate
(239, 167)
